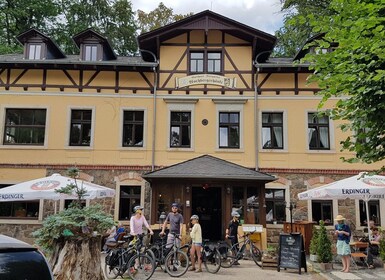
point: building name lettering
(355, 191)
(205, 79)
(12, 196)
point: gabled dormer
(37, 46)
(93, 46)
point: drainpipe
(256, 127)
(154, 110)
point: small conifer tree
(314, 242)
(324, 250)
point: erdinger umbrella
(44, 188)
(362, 186)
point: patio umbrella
(44, 188)
(362, 186)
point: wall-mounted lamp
(228, 190)
(187, 189)
(205, 186)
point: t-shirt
(118, 231)
(175, 221)
(341, 236)
(136, 225)
(233, 228)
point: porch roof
(208, 167)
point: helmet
(138, 207)
(175, 205)
(194, 217)
(235, 214)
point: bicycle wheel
(212, 260)
(141, 267)
(176, 263)
(110, 271)
(256, 254)
(227, 255)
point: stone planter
(313, 258)
(325, 267)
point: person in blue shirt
(343, 233)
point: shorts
(197, 243)
(343, 248)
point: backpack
(112, 258)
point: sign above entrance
(205, 79)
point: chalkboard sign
(291, 252)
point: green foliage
(354, 73)
(296, 28)
(159, 17)
(324, 250)
(382, 245)
(72, 223)
(313, 247)
(74, 188)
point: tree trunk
(78, 259)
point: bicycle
(174, 260)
(115, 259)
(211, 258)
(230, 255)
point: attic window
(34, 51)
(90, 52)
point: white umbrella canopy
(44, 188)
(362, 186)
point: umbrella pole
(54, 207)
(367, 219)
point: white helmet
(235, 214)
(194, 217)
(138, 207)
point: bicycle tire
(227, 255)
(176, 263)
(212, 261)
(256, 254)
(141, 267)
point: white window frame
(68, 129)
(230, 106)
(181, 105)
(285, 132)
(120, 129)
(357, 208)
(276, 186)
(332, 148)
(4, 107)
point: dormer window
(34, 51)
(90, 52)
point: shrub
(314, 242)
(324, 250)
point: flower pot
(325, 266)
(313, 258)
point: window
(90, 52)
(275, 205)
(180, 129)
(238, 199)
(24, 127)
(19, 209)
(272, 130)
(34, 51)
(133, 125)
(252, 211)
(318, 132)
(80, 134)
(322, 210)
(128, 199)
(205, 62)
(374, 212)
(228, 130)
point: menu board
(291, 252)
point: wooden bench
(269, 263)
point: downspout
(154, 108)
(256, 128)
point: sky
(264, 15)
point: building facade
(203, 117)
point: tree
(297, 29)
(17, 16)
(69, 237)
(324, 250)
(159, 17)
(353, 72)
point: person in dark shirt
(232, 230)
(343, 233)
(176, 224)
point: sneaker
(198, 270)
(191, 269)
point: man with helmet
(176, 224)
(137, 222)
(232, 229)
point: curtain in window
(324, 136)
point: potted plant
(382, 247)
(313, 247)
(324, 248)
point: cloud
(260, 14)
